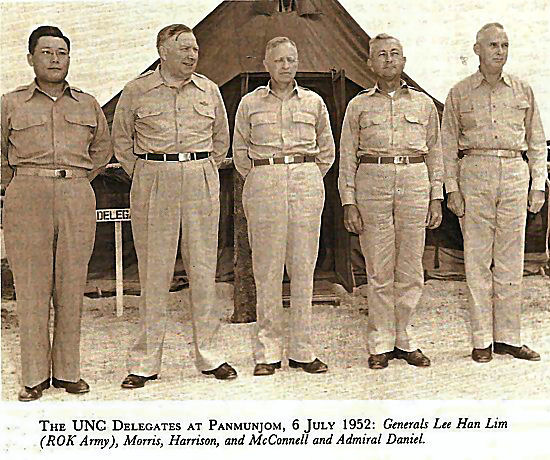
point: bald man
(491, 118)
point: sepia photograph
(275, 227)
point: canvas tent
(333, 51)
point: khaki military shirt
(269, 127)
(40, 132)
(380, 125)
(154, 117)
(503, 117)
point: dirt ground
(440, 325)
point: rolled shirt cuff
(451, 185)
(538, 183)
(436, 192)
(348, 198)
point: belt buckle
(185, 156)
(401, 160)
(62, 173)
(288, 159)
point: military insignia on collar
(203, 102)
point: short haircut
(46, 31)
(382, 37)
(170, 31)
(481, 31)
(274, 42)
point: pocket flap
(26, 120)
(413, 118)
(304, 117)
(81, 119)
(260, 118)
(368, 119)
(204, 110)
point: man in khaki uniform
(390, 183)
(491, 117)
(170, 134)
(54, 140)
(283, 147)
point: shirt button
(496, 137)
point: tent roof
(233, 36)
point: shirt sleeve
(449, 143)
(7, 171)
(241, 140)
(349, 161)
(536, 144)
(220, 130)
(325, 141)
(101, 147)
(124, 131)
(434, 159)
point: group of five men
(170, 134)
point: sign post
(117, 216)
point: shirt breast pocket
(81, 125)
(204, 116)
(467, 115)
(29, 133)
(263, 128)
(305, 124)
(514, 114)
(369, 123)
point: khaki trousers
(49, 230)
(393, 203)
(166, 197)
(283, 206)
(495, 195)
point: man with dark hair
(491, 118)
(170, 134)
(391, 188)
(283, 147)
(54, 141)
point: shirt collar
(478, 78)
(155, 79)
(299, 91)
(375, 88)
(71, 91)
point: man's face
(180, 55)
(282, 63)
(492, 49)
(386, 59)
(50, 59)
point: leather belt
(493, 153)
(289, 159)
(185, 156)
(398, 160)
(55, 173)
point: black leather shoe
(223, 372)
(482, 355)
(71, 387)
(314, 367)
(523, 352)
(379, 361)
(414, 358)
(136, 381)
(33, 393)
(266, 369)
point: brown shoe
(71, 387)
(262, 369)
(314, 367)
(223, 372)
(136, 381)
(379, 361)
(482, 355)
(523, 352)
(414, 358)
(33, 393)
